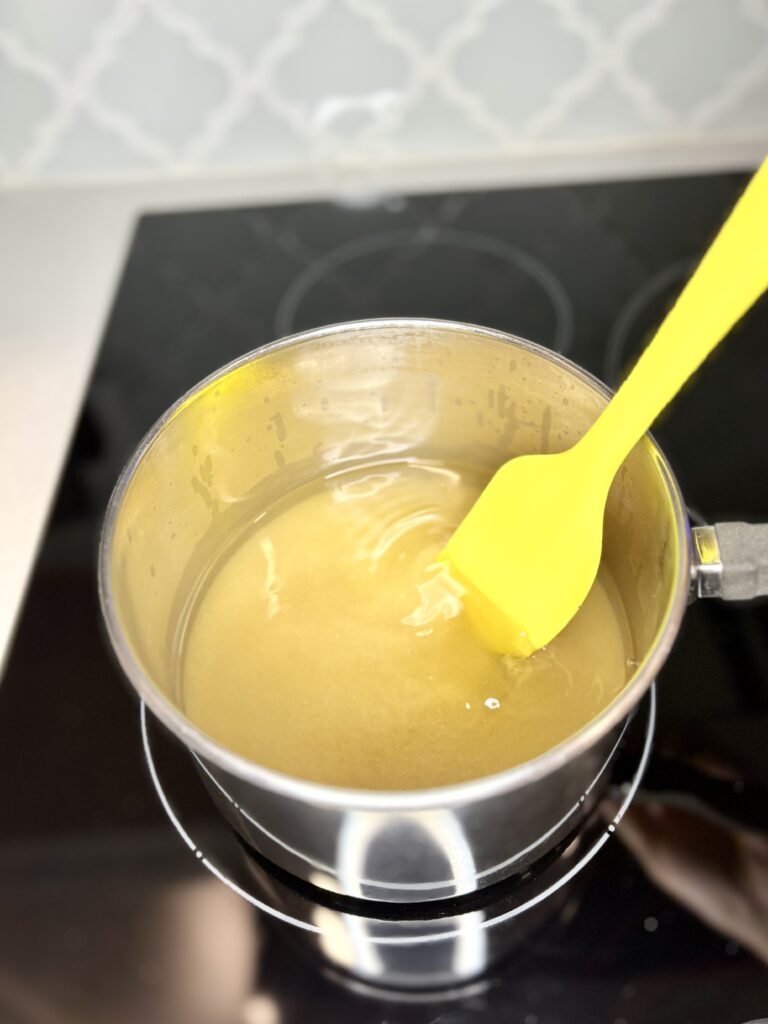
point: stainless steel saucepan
(353, 394)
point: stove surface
(106, 917)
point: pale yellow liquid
(324, 645)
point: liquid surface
(327, 644)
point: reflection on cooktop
(107, 916)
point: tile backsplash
(104, 89)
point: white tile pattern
(121, 88)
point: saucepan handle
(730, 561)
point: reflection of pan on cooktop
(429, 945)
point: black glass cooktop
(105, 916)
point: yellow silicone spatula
(529, 549)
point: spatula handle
(730, 278)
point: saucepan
(380, 390)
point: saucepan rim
(462, 793)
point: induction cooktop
(105, 915)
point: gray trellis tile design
(121, 88)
